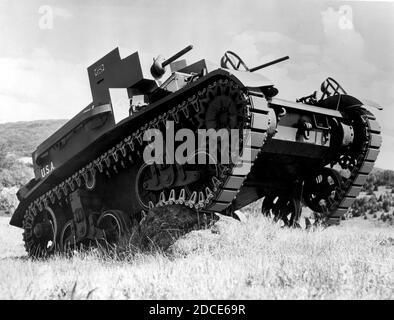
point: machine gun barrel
(177, 55)
(268, 64)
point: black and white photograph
(195, 156)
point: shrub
(371, 205)
(8, 200)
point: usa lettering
(47, 169)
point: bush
(8, 200)
(379, 178)
(371, 205)
(14, 172)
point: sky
(46, 46)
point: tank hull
(290, 153)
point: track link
(364, 164)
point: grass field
(253, 259)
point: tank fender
(345, 101)
(371, 104)
(17, 218)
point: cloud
(41, 87)
(13, 109)
(340, 54)
(344, 47)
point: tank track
(259, 120)
(362, 165)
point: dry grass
(253, 259)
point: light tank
(92, 180)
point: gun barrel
(177, 55)
(269, 64)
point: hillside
(17, 141)
(21, 138)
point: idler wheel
(43, 229)
(40, 231)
